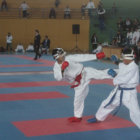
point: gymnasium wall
(49, 3)
(59, 32)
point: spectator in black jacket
(46, 45)
(52, 13)
(37, 39)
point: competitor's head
(127, 55)
(58, 53)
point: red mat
(53, 83)
(32, 96)
(33, 84)
(38, 60)
(62, 126)
(27, 65)
(47, 83)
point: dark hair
(126, 50)
(37, 31)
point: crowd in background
(88, 8)
(128, 30)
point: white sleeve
(122, 79)
(57, 72)
(81, 57)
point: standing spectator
(46, 45)
(4, 5)
(101, 12)
(57, 2)
(83, 11)
(90, 6)
(9, 39)
(52, 13)
(67, 12)
(37, 39)
(129, 37)
(24, 8)
(114, 9)
(94, 41)
(136, 37)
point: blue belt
(121, 96)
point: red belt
(78, 80)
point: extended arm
(85, 57)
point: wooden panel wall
(59, 32)
(109, 51)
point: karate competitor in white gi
(68, 69)
(124, 92)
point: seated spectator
(20, 48)
(136, 49)
(98, 49)
(83, 11)
(52, 13)
(117, 41)
(2, 49)
(114, 9)
(136, 23)
(24, 8)
(120, 24)
(30, 48)
(128, 24)
(67, 12)
(45, 45)
(4, 5)
(90, 6)
(57, 2)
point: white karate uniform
(127, 77)
(73, 70)
(30, 48)
(98, 49)
(20, 48)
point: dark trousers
(9, 45)
(24, 13)
(37, 53)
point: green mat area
(125, 9)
